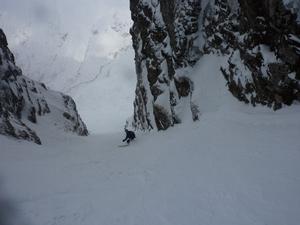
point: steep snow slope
(232, 168)
(236, 165)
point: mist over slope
(99, 73)
(106, 100)
(53, 59)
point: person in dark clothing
(130, 135)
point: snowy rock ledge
(25, 103)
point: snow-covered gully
(230, 168)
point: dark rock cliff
(261, 40)
(263, 37)
(163, 39)
(23, 101)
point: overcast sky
(44, 21)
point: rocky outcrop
(163, 38)
(260, 39)
(23, 101)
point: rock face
(23, 101)
(261, 40)
(263, 45)
(163, 38)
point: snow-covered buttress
(23, 102)
(259, 39)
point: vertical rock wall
(163, 37)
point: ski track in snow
(229, 168)
(95, 77)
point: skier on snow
(129, 136)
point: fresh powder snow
(236, 165)
(232, 167)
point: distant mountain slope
(101, 79)
(24, 102)
(105, 101)
(61, 65)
